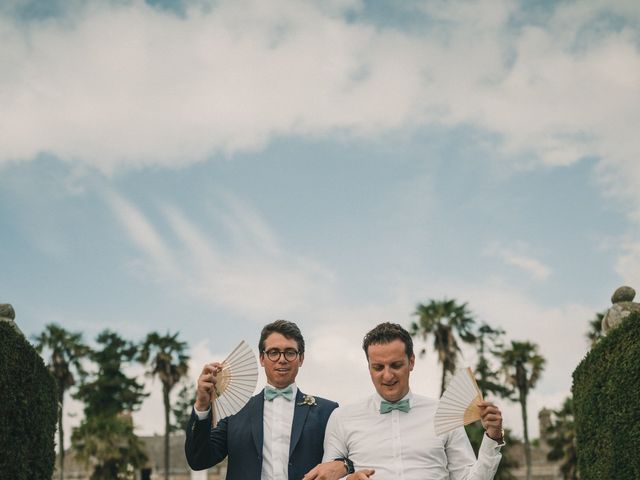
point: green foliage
(168, 361)
(105, 438)
(606, 395)
(475, 432)
(166, 357)
(65, 351)
(488, 341)
(181, 409)
(110, 391)
(110, 443)
(523, 366)
(28, 410)
(562, 440)
(595, 329)
(444, 320)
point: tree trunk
(444, 373)
(61, 433)
(527, 445)
(165, 395)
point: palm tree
(522, 366)
(67, 350)
(595, 329)
(168, 360)
(562, 440)
(444, 320)
(488, 342)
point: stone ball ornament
(623, 306)
(7, 311)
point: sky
(206, 167)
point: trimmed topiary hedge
(28, 410)
(606, 396)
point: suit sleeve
(205, 447)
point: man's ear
(301, 357)
(262, 359)
(412, 362)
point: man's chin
(391, 396)
(282, 382)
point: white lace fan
(457, 406)
(235, 383)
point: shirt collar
(294, 388)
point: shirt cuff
(489, 447)
(202, 415)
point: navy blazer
(240, 436)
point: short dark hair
(285, 328)
(387, 333)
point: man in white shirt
(278, 434)
(390, 435)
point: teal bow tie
(402, 405)
(270, 393)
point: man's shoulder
(352, 408)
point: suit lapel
(256, 419)
(300, 413)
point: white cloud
(628, 263)
(129, 85)
(536, 268)
(253, 278)
(518, 257)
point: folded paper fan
(235, 383)
(458, 404)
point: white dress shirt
(404, 446)
(277, 421)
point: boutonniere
(308, 400)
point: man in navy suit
(279, 433)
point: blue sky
(209, 167)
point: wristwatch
(348, 464)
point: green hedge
(606, 395)
(28, 410)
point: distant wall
(28, 409)
(606, 395)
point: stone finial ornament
(6, 311)
(623, 306)
(8, 314)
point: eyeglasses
(274, 354)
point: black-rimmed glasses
(290, 354)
